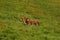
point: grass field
(47, 12)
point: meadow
(47, 12)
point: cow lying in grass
(29, 21)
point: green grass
(47, 12)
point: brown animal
(29, 21)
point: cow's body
(32, 22)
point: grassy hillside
(47, 12)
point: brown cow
(29, 21)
